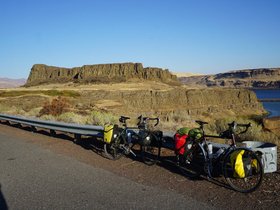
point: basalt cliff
(119, 72)
(192, 102)
(252, 78)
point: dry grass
(18, 92)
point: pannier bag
(195, 134)
(180, 140)
(157, 138)
(243, 164)
(109, 132)
(145, 138)
(150, 138)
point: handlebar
(231, 130)
(201, 123)
(234, 125)
(144, 120)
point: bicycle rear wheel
(113, 151)
(253, 174)
(192, 163)
(150, 154)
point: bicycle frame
(127, 138)
(209, 158)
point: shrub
(56, 107)
(71, 117)
(33, 112)
(48, 118)
(101, 118)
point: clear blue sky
(200, 36)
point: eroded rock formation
(191, 102)
(120, 72)
(253, 78)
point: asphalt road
(32, 177)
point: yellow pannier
(243, 164)
(108, 133)
(237, 163)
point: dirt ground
(164, 175)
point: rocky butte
(117, 72)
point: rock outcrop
(178, 100)
(252, 78)
(120, 72)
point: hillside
(251, 78)
(101, 73)
(11, 83)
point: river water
(272, 107)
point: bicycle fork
(208, 168)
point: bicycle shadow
(169, 163)
(3, 203)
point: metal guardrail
(87, 130)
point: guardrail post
(52, 132)
(77, 138)
(33, 129)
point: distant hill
(185, 74)
(249, 78)
(11, 83)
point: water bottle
(210, 148)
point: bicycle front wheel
(251, 175)
(192, 163)
(150, 154)
(114, 151)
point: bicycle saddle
(201, 122)
(123, 119)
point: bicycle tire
(150, 154)
(113, 151)
(191, 165)
(251, 181)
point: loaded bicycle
(119, 141)
(240, 166)
(150, 140)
